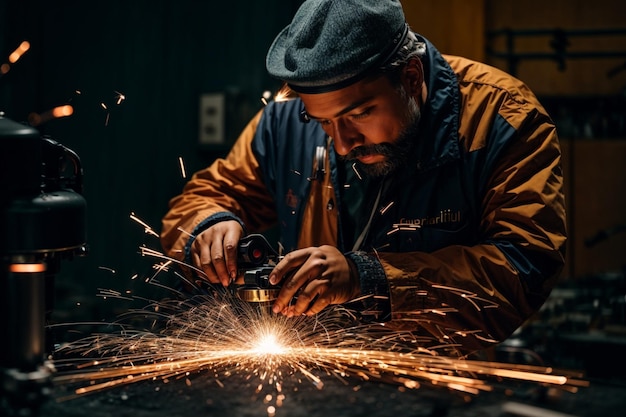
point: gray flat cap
(331, 44)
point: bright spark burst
(217, 336)
(267, 344)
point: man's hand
(321, 275)
(215, 251)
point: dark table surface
(236, 396)
(200, 393)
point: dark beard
(396, 153)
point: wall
(588, 76)
(596, 201)
(586, 97)
(161, 56)
(454, 26)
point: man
(424, 188)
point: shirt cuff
(376, 305)
(205, 224)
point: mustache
(385, 149)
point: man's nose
(345, 137)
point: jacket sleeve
(475, 296)
(219, 192)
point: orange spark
(17, 54)
(62, 111)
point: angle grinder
(256, 259)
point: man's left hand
(319, 276)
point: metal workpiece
(258, 295)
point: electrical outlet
(212, 119)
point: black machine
(256, 259)
(42, 221)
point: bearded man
(423, 188)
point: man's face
(371, 122)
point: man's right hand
(215, 251)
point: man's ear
(413, 76)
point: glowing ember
(147, 228)
(62, 111)
(183, 172)
(17, 54)
(36, 119)
(119, 97)
(14, 57)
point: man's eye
(362, 114)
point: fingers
(231, 241)
(317, 276)
(311, 299)
(200, 256)
(290, 273)
(215, 259)
(214, 251)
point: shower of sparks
(471, 297)
(219, 336)
(216, 336)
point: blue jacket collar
(438, 140)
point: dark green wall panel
(161, 56)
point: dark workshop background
(162, 56)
